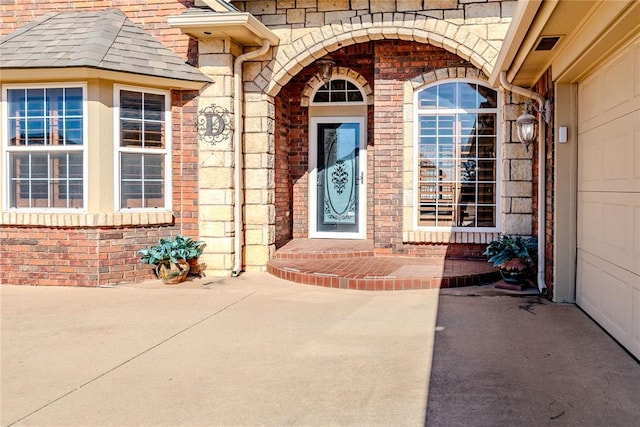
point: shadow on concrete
(505, 360)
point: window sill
(41, 219)
(448, 237)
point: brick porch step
(336, 264)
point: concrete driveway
(256, 350)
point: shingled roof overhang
(81, 45)
(241, 27)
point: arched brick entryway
(292, 58)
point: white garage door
(608, 252)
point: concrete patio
(257, 350)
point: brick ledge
(41, 219)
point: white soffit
(586, 28)
(242, 27)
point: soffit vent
(547, 43)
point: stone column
(216, 161)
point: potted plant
(172, 257)
(515, 256)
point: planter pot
(514, 276)
(172, 274)
(515, 271)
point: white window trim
(416, 150)
(168, 182)
(6, 148)
(312, 103)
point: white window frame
(343, 103)
(166, 151)
(7, 149)
(416, 158)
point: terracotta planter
(515, 271)
(172, 274)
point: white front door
(337, 170)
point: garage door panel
(609, 156)
(589, 221)
(611, 92)
(609, 227)
(610, 295)
(587, 283)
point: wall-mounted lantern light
(527, 123)
(325, 68)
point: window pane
(131, 166)
(447, 95)
(17, 102)
(354, 96)
(131, 194)
(17, 133)
(338, 85)
(130, 133)
(130, 104)
(55, 101)
(153, 107)
(72, 132)
(468, 98)
(153, 167)
(35, 131)
(338, 97)
(488, 98)
(486, 170)
(35, 102)
(154, 135)
(428, 98)
(73, 101)
(321, 96)
(487, 147)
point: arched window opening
(338, 91)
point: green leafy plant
(172, 250)
(512, 252)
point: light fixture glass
(526, 126)
(325, 68)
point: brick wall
(396, 62)
(152, 16)
(93, 256)
(386, 65)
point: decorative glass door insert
(339, 179)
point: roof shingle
(106, 40)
